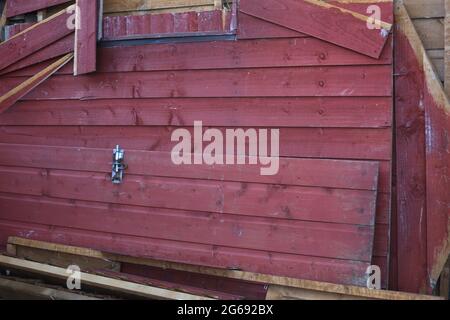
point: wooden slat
(34, 38)
(307, 16)
(328, 241)
(241, 112)
(307, 172)
(411, 202)
(85, 59)
(98, 281)
(11, 97)
(56, 49)
(268, 82)
(14, 289)
(17, 7)
(245, 54)
(425, 8)
(431, 32)
(360, 143)
(247, 199)
(282, 282)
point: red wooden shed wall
(329, 102)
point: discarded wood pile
(105, 272)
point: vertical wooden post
(86, 37)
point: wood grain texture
(258, 82)
(300, 267)
(7, 100)
(17, 7)
(34, 38)
(342, 112)
(54, 50)
(85, 56)
(343, 27)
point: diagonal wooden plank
(16, 7)
(35, 38)
(15, 94)
(54, 50)
(322, 20)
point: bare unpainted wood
(425, 8)
(431, 32)
(64, 260)
(12, 96)
(287, 284)
(11, 289)
(97, 281)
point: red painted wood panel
(17, 7)
(342, 112)
(250, 27)
(322, 21)
(85, 60)
(293, 171)
(366, 144)
(327, 240)
(313, 268)
(54, 50)
(35, 38)
(410, 171)
(165, 24)
(269, 82)
(251, 199)
(329, 102)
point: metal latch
(118, 166)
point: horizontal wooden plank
(34, 38)
(342, 112)
(312, 268)
(293, 171)
(267, 82)
(17, 7)
(287, 202)
(308, 17)
(294, 237)
(164, 24)
(293, 52)
(363, 144)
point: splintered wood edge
(279, 281)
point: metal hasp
(118, 166)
